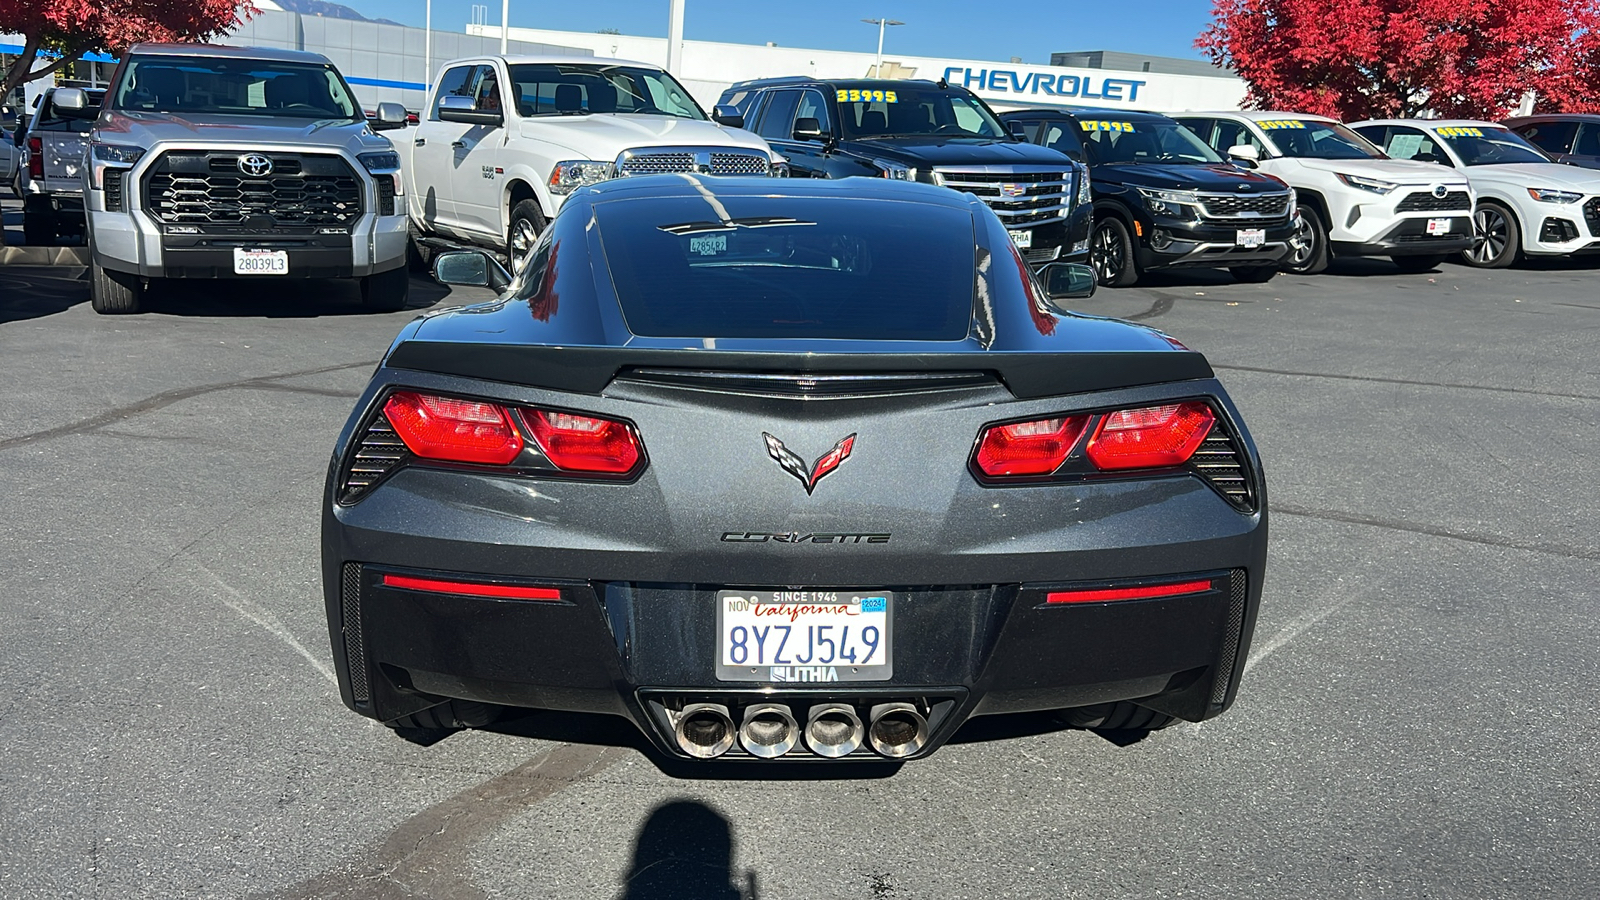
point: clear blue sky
(963, 29)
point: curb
(44, 256)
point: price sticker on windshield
(857, 96)
(1280, 124)
(1459, 131)
(1102, 125)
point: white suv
(1354, 200)
(1527, 204)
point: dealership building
(385, 61)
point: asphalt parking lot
(1417, 719)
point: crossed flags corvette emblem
(795, 465)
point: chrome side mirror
(470, 268)
(389, 115)
(72, 103)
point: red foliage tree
(1363, 59)
(72, 28)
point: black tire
(1122, 716)
(1415, 264)
(1499, 237)
(527, 223)
(386, 291)
(452, 715)
(419, 256)
(114, 293)
(38, 229)
(1111, 253)
(1253, 274)
(1308, 246)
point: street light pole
(881, 23)
(505, 25)
(427, 48)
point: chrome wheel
(1108, 253)
(1494, 233)
(523, 236)
(1302, 244)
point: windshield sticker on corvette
(1280, 124)
(1459, 131)
(708, 245)
(1102, 125)
(856, 96)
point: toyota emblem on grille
(795, 465)
(1013, 190)
(255, 165)
(1440, 190)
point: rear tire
(1253, 274)
(38, 229)
(386, 291)
(1501, 237)
(419, 256)
(114, 293)
(1308, 246)
(452, 715)
(1416, 264)
(1122, 716)
(527, 223)
(1111, 254)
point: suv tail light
(35, 157)
(1150, 437)
(584, 444)
(1028, 448)
(446, 428)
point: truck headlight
(1085, 194)
(888, 168)
(1174, 204)
(571, 174)
(103, 156)
(385, 164)
(1550, 195)
(1374, 185)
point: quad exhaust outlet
(769, 730)
(897, 730)
(704, 730)
(833, 730)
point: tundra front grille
(1018, 197)
(211, 189)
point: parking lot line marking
(1439, 531)
(1381, 380)
(258, 614)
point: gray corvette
(796, 470)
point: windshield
(754, 267)
(1313, 139)
(1486, 146)
(562, 90)
(1145, 141)
(911, 110)
(235, 87)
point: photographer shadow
(684, 851)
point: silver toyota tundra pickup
(226, 162)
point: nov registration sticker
(809, 637)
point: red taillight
(584, 444)
(1028, 448)
(445, 428)
(1149, 437)
(471, 589)
(35, 157)
(1144, 592)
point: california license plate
(260, 262)
(1023, 239)
(804, 636)
(1250, 237)
(1438, 226)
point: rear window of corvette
(747, 267)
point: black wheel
(419, 256)
(38, 229)
(527, 223)
(1308, 246)
(1122, 716)
(1253, 274)
(386, 291)
(114, 293)
(1111, 253)
(1416, 264)
(1499, 239)
(451, 715)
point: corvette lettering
(795, 537)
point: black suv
(1163, 198)
(921, 131)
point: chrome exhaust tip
(769, 730)
(833, 730)
(704, 730)
(897, 731)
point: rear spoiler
(587, 370)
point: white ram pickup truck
(505, 139)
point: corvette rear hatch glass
(744, 267)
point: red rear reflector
(35, 157)
(1095, 595)
(457, 430)
(437, 586)
(584, 443)
(1028, 448)
(1149, 437)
